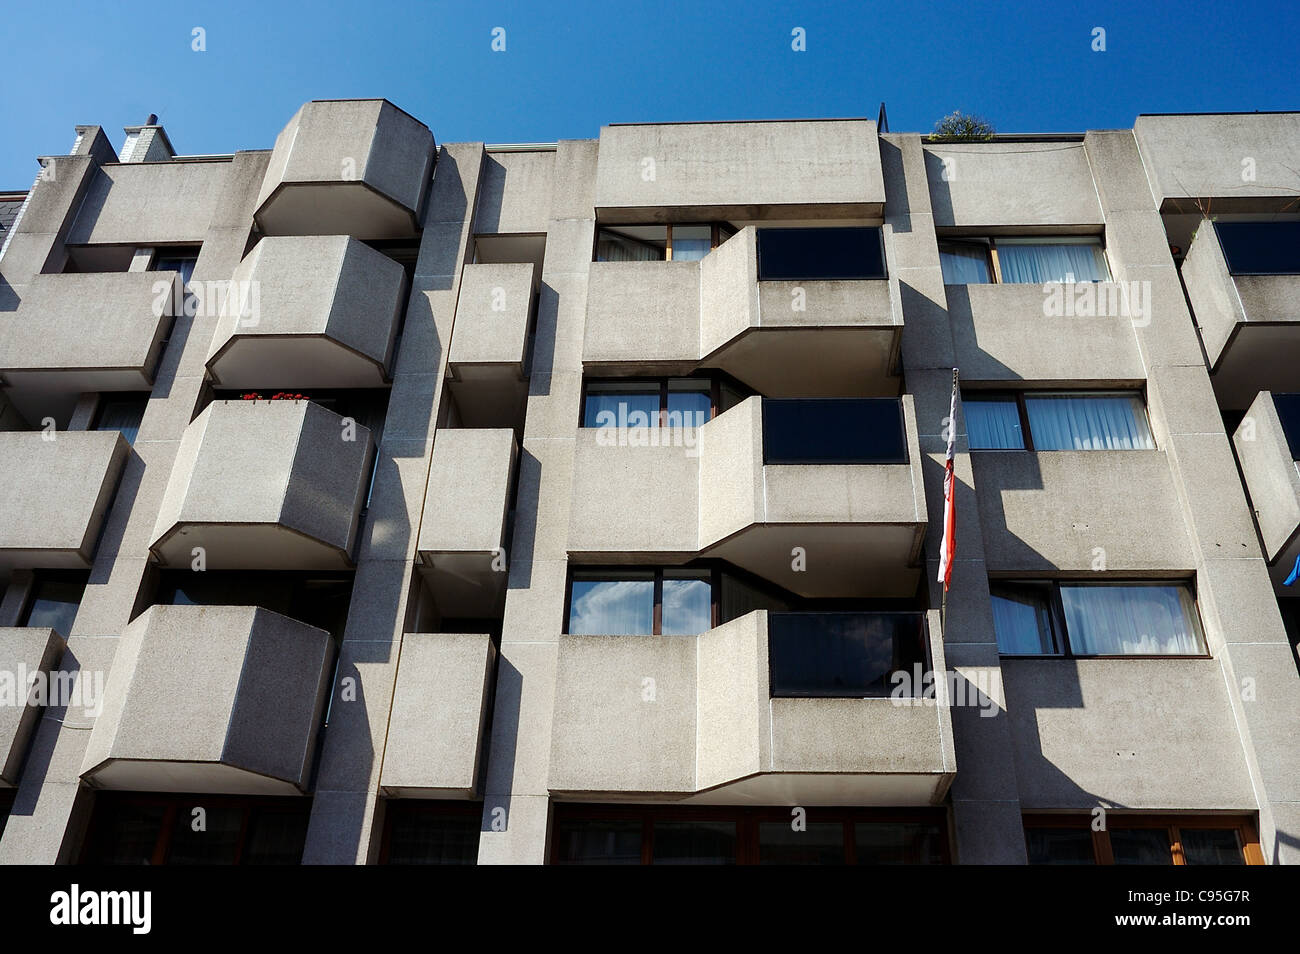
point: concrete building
(368, 500)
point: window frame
(713, 573)
(715, 382)
(443, 808)
(716, 237)
(1056, 614)
(747, 818)
(1103, 854)
(1022, 409)
(990, 243)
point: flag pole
(949, 510)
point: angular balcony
(309, 312)
(25, 654)
(461, 547)
(57, 493)
(489, 343)
(791, 312)
(1243, 282)
(770, 708)
(837, 479)
(1268, 445)
(83, 332)
(211, 699)
(265, 485)
(347, 167)
(440, 704)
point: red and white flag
(949, 545)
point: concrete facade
(381, 603)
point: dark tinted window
(1260, 248)
(695, 842)
(1288, 409)
(813, 254)
(833, 431)
(598, 841)
(842, 654)
(1212, 846)
(432, 833)
(1060, 846)
(55, 600)
(1141, 846)
(898, 843)
(122, 413)
(315, 599)
(815, 843)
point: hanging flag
(1295, 572)
(949, 495)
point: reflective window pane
(1212, 846)
(632, 243)
(690, 403)
(1141, 846)
(122, 415)
(1060, 846)
(687, 606)
(598, 842)
(419, 835)
(842, 655)
(218, 841)
(821, 844)
(898, 843)
(608, 406)
(793, 254)
(1088, 422)
(1131, 620)
(55, 605)
(964, 264)
(691, 242)
(695, 843)
(1260, 248)
(612, 607)
(993, 423)
(276, 837)
(1022, 620)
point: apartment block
(374, 500)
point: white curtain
(1130, 620)
(964, 266)
(1088, 422)
(993, 425)
(1036, 264)
(611, 247)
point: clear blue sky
(569, 68)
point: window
(827, 254)
(1096, 619)
(1288, 412)
(433, 832)
(122, 413)
(1057, 420)
(833, 431)
(1015, 261)
(318, 599)
(842, 655)
(6, 806)
(649, 402)
(55, 599)
(181, 260)
(1260, 248)
(699, 835)
(136, 829)
(659, 243)
(1142, 840)
(640, 602)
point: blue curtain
(1035, 264)
(611, 409)
(1023, 625)
(993, 425)
(964, 266)
(1131, 620)
(1088, 422)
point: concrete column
(986, 806)
(516, 806)
(346, 816)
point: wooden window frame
(712, 571)
(716, 234)
(990, 244)
(747, 820)
(1056, 607)
(1172, 823)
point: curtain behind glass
(1130, 621)
(993, 425)
(621, 409)
(612, 247)
(1088, 422)
(1023, 625)
(1035, 264)
(964, 266)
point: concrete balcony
(1065, 510)
(83, 332)
(489, 344)
(347, 167)
(461, 548)
(782, 338)
(817, 168)
(309, 312)
(720, 727)
(265, 485)
(440, 705)
(729, 490)
(25, 654)
(1249, 323)
(57, 493)
(990, 322)
(1267, 444)
(211, 699)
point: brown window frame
(1244, 825)
(716, 236)
(747, 819)
(990, 244)
(714, 573)
(1022, 409)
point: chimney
(147, 143)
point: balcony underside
(154, 775)
(293, 361)
(252, 546)
(1259, 356)
(813, 362)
